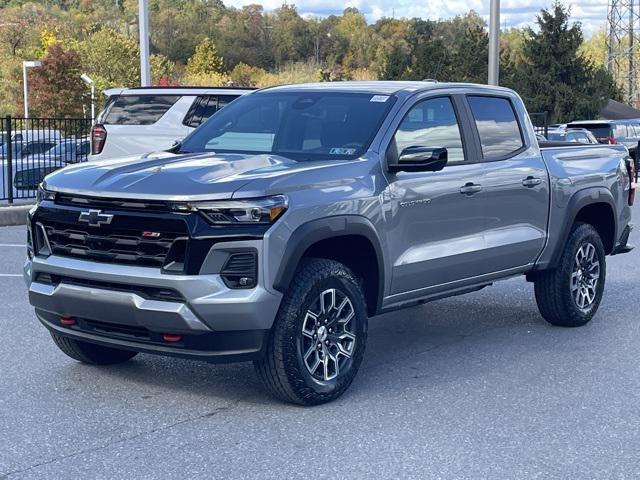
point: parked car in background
(69, 151)
(22, 149)
(146, 119)
(576, 135)
(625, 132)
(31, 135)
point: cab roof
(381, 87)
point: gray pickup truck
(278, 227)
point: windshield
(556, 137)
(299, 125)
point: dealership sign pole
(143, 30)
(494, 42)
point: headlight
(258, 211)
(44, 194)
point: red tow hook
(171, 337)
(67, 321)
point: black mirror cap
(420, 159)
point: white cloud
(514, 13)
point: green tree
(554, 77)
(205, 59)
(291, 36)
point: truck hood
(165, 176)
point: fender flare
(320, 229)
(579, 200)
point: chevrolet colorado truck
(279, 226)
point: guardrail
(31, 148)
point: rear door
(515, 184)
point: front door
(434, 225)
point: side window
(138, 109)
(204, 106)
(497, 125)
(431, 123)
(621, 130)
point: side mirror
(420, 159)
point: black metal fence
(540, 122)
(31, 148)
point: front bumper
(216, 322)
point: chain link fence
(31, 148)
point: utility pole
(494, 42)
(623, 35)
(143, 30)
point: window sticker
(342, 151)
(379, 98)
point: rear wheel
(569, 296)
(319, 335)
(90, 352)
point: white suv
(146, 119)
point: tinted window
(138, 109)
(431, 123)
(205, 106)
(497, 126)
(300, 125)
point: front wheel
(319, 336)
(569, 296)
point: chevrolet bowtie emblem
(95, 218)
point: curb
(14, 215)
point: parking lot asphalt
(476, 386)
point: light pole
(143, 30)
(87, 79)
(25, 66)
(494, 42)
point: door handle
(470, 188)
(530, 182)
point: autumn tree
(56, 89)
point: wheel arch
(349, 239)
(595, 206)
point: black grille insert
(110, 243)
(241, 269)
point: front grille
(131, 244)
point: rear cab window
(137, 109)
(497, 124)
(602, 131)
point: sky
(514, 13)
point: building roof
(618, 111)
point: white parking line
(12, 245)
(10, 274)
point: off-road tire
(556, 302)
(282, 370)
(90, 352)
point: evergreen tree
(554, 77)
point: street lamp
(86, 79)
(25, 66)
